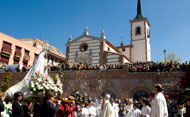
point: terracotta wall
(120, 82)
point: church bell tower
(140, 37)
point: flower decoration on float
(44, 83)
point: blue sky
(55, 20)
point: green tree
(171, 56)
(6, 82)
(54, 77)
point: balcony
(26, 58)
(6, 50)
(17, 54)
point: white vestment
(115, 110)
(134, 113)
(91, 110)
(146, 111)
(98, 107)
(159, 106)
(129, 108)
(107, 109)
(83, 112)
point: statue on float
(37, 81)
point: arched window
(140, 93)
(138, 31)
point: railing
(17, 54)
(26, 58)
(6, 50)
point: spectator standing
(91, 109)
(48, 107)
(83, 112)
(115, 108)
(98, 106)
(182, 111)
(129, 107)
(135, 112)
(121, 110)
(158, 104)
(4, 113)
(145, 111)
(9, 106)
(187, 108)
(1, 103)
(70, 107)
(36, 109)
(17, 106)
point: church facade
(99, 51)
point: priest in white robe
(158, 104)
(106, 108)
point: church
(99, 51)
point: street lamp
(165, 55)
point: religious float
(37, 82)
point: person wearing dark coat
(2, 108)
(187, 108)
(49, 109)
(36, 109)
(17, 106)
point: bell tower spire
(140, 37)
(139, 10)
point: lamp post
(165, 55)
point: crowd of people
(159, 67)
(78, 106)
(91, 67)
(135, 67)
(14, 68)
